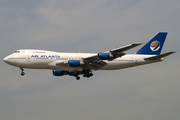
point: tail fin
(154, 46)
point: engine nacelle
(104, 56)
(75, 63)
(73, 73)
(58, 72)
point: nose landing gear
(22, 72)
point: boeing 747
(75, 64)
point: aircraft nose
(8, 61)
(5, 59)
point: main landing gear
(84, 75)
(87, 73)
(22, 72)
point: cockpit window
(17, 51)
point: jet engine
(58, 72)
(104, 56)
(73, 73)
(75, 63)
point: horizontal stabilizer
(159, 56)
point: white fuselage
(41, 59)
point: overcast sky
(149, 92)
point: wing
(120, 50)
(95, 62)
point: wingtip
(173, 52)
(137, 44)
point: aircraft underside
(76, 71)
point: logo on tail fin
(155, 45)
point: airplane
(75, 64)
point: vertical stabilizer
(154, 46)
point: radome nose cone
(5, 59)
(8, 60)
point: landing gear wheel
(23, 73)
(91, 74)
(87, 74)
(77, 78)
